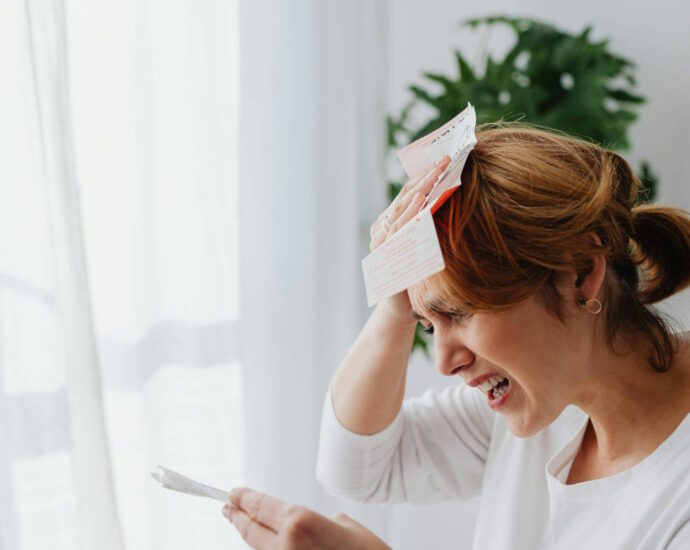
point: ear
(587, 282)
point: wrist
(391, 319)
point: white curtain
(119, 167)
(155, 96)
(312, 160)
(178, 281)
(57, 489)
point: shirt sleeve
(434, 450)
(681, 539)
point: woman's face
(533, 350)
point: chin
(522, 428)
(526, 424)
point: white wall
(422, 37)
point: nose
(452, 358)
(456, 367)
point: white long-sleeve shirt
(449, 445)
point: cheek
(527, 349)
(526, 342)
(508, 343)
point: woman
(574, 420)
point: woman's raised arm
(368, 387)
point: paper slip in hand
(410, 255)
(177, 482)
(413, 253)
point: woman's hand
(403, 208)
(267, 523)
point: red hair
(524, 214)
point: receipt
(177, 482)
(413, 253)
(454, 139)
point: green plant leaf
(465, 72)
(444, 81)
(622, 95)
(394, 188)
(420, 341)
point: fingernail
(234, 496)
(226, 511)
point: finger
(355, 531)
(260, 507)
(408, 214)
(344, 520)
(428, 184)
(397, 209)
(388, 218)
(422, 183)
(424, 188)
(406, 193)
(412, 183)
(381, 224)
(254, 533)
(377, 240)
(402, 194)
(436, 168)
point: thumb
(345, 520)
(361, 536)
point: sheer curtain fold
(45, 124)
(155, 111)
(312, 151)
(118, 255)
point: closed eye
(428, 330)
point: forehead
(420, 296)
(426, 300)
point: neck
(632, 408)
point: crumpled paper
(413, 253)
(177, 482)
(456, 138)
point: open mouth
(496, 389)
(499, 387)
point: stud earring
(593, 306)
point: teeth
(490, 383)
(498, 393)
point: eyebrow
(417, 316)
(439, 308)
